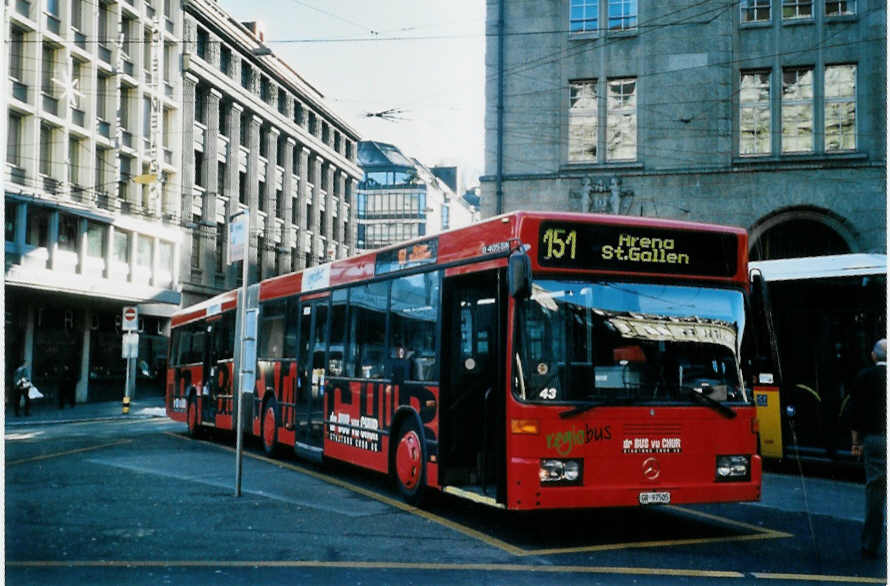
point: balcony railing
(16, 174)
(391, 215)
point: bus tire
(192, 417)
(269, 427)
(409, 462)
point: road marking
(819, 578)
(760, 532)
(494, 542)
(424, 566)
(384, 566)
(66, 453)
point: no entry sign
(130, 321)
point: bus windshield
(619, 343)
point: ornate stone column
(233, 164)
(253, 192)
(268, 255)
(302, 195)
(288, 192)
(211, 173)
(315, 220)
(329, 208)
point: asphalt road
(137, 502)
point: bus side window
(367, 327)
(271, 334)
(337, 340)
(175, 337)
(414, 312)
(292, 320)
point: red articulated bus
(534, 360)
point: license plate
(655, 498)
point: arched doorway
(825, 322)
(800, 232)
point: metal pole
(239, 399)
(499, 185)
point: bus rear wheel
(270, 428)
(410, 463)
(192, 417)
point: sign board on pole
(238, 225)
(130, 319)
(130, 345)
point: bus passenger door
(208, 376)
(473, 403)
(310, 414)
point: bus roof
(492, 237)
(822, 267)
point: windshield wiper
(709, 402)
(584, 407)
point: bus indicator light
(524, 426)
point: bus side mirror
(519, 274)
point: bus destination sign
(569, 245)
(406, 257)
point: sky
(423, 60)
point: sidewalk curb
(17, 422)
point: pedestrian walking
(868, 433)
(22, 385)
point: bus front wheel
(410, 463)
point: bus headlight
(733, 468)
(560, 472)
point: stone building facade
(91, 188)
(765, 114)
(257, 137)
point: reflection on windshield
(622, 343)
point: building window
(298, 113)
(16, 53)
(220, 247)
(755, 10)
(621, 120)
(49, 69)
(792, 9)
(14, 140)
(262, 196)
(74, 147)
(622, 15)
(225, 60)
(754, 113)
(95, 239)
(68, 231)
(196, 242)
(242, 187)
(203, 41)
(11, 219)
(840, 108)
(583, 126)
(143, 251)
(446, 221)
(37, 229)
(797, 110)
(840, 7)
(46, 150)
(165, 262)
(246, 76)
(584, 16)
(122, 247)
